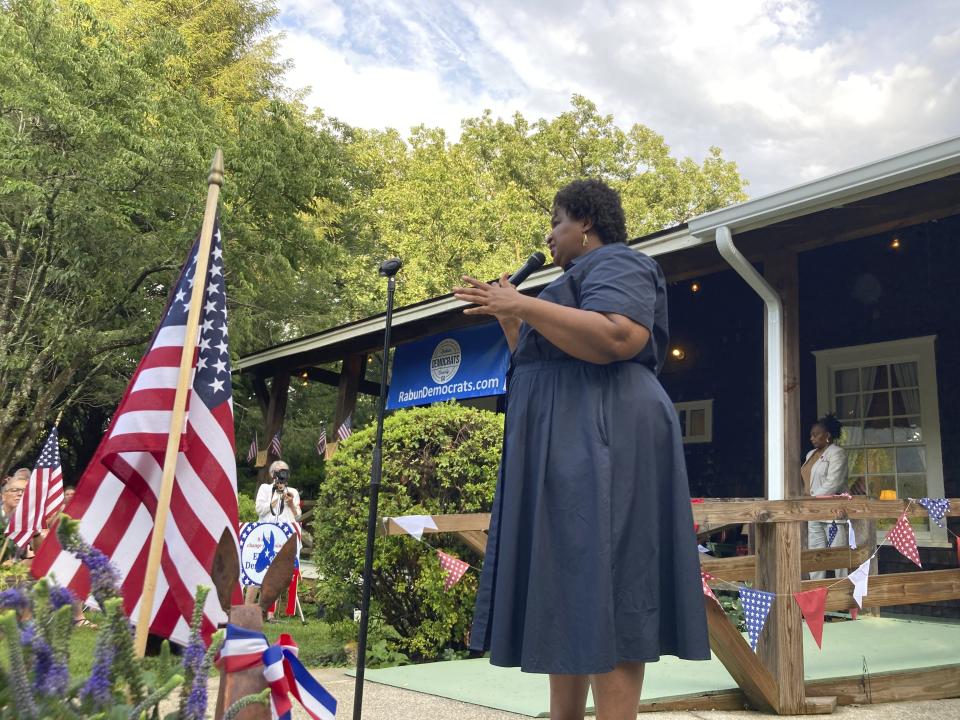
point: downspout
(776, 485)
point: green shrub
(439, 459)
(247, 507)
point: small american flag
(322, 442)
(275, 445)
(252, 452)
(43, 495)
(346, 428)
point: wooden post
(235, 685)
(275, 415)
(351, 373)
(781, 270)
(781, 642)
(214, 181)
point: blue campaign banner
(457, 364)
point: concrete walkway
(383, 702)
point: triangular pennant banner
(851, 535)
(832, 533)
(859, 579)
(704, 579)
(455, 569)
(902, 538)
(756, 607)
(813, 604)
(415, 524)
(854, 612)
(937, 508)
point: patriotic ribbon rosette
(282, 669)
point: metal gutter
(776, 481)
(893, 173)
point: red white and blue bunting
(757, 603)
(282, 669)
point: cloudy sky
(789, 89)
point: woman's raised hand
(501, 300)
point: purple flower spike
(14, 598)
(60, 596)
(97, 687)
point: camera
(280, 478)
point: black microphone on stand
(534, 262)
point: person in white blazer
(824, 472)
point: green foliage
(730, 602)
(248, 508)
(108, 120)
(437, 459)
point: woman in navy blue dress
(591, 567)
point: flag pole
(214, 182)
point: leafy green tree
(104, 143)
(482, 204)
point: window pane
(914, 486)
(906, 402)
(698, 422)
(852, 434)
(907, 430)
(877, 432)
(911, 460)
(874, 378)
(880, 482)
(880, 460)
(856, 462)
(846, 381)
(904, 375)
(876, 404)
(848, 407)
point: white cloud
(788, 88)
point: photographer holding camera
(276, 500)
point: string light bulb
(895, 243)
(678, 353)
(695, 287)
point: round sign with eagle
(259, 544)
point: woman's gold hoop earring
(585, 239)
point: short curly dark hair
(597, 201)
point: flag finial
(216, 169)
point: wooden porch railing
(772, 679)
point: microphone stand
(388, 269)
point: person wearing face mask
(824, 472)
(591, 568)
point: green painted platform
(884, 644)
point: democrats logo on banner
(458, 364)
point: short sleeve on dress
(626, 284)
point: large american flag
(43, 495)
(116, 497)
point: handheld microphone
(534, 262)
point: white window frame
(707, 407)
(922, 351)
